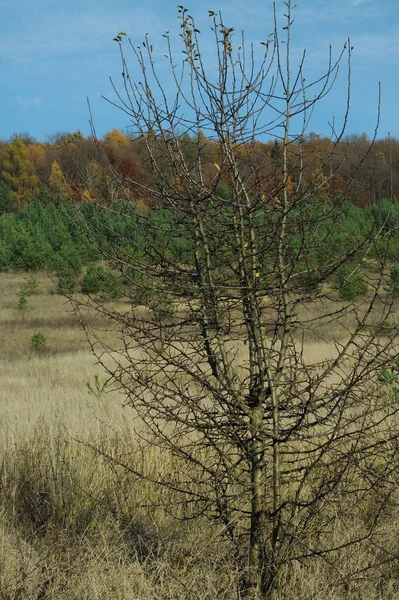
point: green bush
(68, 259)
(98, 280)
(33, 253)
(5, 256)
(23, 304)
(161, 306)
(30, 287)
(38, 342)
(350, 285)
(43, 236)
(310, 283)
(393, 283)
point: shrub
(5, 256)
(389, 378)
(161, 306)
(393, 283)
(23, 304)
(351, 285)
(310, 283)
(99, 280)
(38, 342)
(30, 287)
(35, 254)
(68, 258)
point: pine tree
(7, 204)
(18, 172)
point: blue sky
(53, 55)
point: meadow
(74, 525)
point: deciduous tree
(19, 174)
(294, 455)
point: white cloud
(25, 103)
(374, 47)
(45, 34)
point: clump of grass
(80, 527)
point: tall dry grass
(76, 526)
(72, 524)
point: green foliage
(161, 305)
(350, 285)
(18, 172)
(390, 246)
(309, 281)
(58, 238)
(38, 342)
(66, 280)
(5, 255)
(23, 304)
(24, 249)
(222, 191)
(92, 282)
(98, 280)
(30, 287)
(384, 215)
(42, 236)
(384, 220)
(35, 255)
(390, 378)
(95, 388)
(68, 259)
(393, 283)
(343, 229)
(7, 203)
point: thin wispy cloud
(59, 33)
(53, 55)
(361, 2)
(28, 103)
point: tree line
(118, 166)
(52, 197)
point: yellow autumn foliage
(19, 173)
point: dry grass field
(74, 526)
(47, 388)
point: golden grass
(72, 525)
(50, 387)
(75, 526)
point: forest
(52, 196)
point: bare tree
(230, 274)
